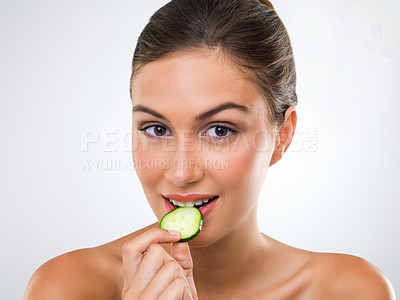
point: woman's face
(179, 148)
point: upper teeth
(189, 204)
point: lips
(188, 197)
(204, 202)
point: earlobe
(285, 135)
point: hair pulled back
(249, 32)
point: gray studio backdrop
(67, 181)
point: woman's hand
(151, 273)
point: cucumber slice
(187, 220)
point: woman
(213, 94)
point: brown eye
(158, 130)
(219, 131)
(155, 130)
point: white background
(64, 79)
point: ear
(285, 135)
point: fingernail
(174, 232)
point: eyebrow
(199, 117)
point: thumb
(181, 253)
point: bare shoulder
(343, 276)
(81, 274)
(91, 273)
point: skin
(230, 258)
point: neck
(224, 264)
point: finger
(176, 291)
(132, 251)
(181, 253)
(154, 259)
(168, 273)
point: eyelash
(234, 131)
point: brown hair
(249, 32)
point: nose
(185, 164)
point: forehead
(196, 79)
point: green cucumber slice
(187, 220)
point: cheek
(148, 166)
(242, 173)
(245, 166)
(241, 181)
(143, 161)
(147, 161)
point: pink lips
(168, 205)
(205, 210)
(188, 197)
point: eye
(221, 131)
(154, 130)
(216, 131)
